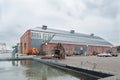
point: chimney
(44, 27)
(72, 31)
(91, 34)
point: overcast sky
(101, 17)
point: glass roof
(62, 36)
(79, 40)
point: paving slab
(108, 65)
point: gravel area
(109, 65)
(104, 64)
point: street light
(46, 47)
(86, 52)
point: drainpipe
(86, 53)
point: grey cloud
(55, 4)
(90, 16)
(105, 8)
(0, 11)
(110, 9)
(70, 10)
(11, 34)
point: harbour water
(33, 70)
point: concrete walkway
(105, 64)
(109, 65)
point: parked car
(114, 54)
(104, 55)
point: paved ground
(106, 64)
(103, 64)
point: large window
(41, 35)
(36, 35)
(46, 36)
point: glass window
(40, 35)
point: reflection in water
(15, 63)
(32, 70)
(39, 71)
(44, 74)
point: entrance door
(78, 50)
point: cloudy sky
(101, 17)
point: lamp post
(46, 47)
(111, 50)
(86, 52)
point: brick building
(45, 39)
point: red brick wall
(90, 49)
(48, 48)
(100, 49)
(70, 47)
(25, 39)
(114, 49)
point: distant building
(45, 40)
(4, 48)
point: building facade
(45, 40)
(4, 48)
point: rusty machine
(33, 51)
(59, 51)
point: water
(33, 70)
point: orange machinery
(33, 51)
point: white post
(46, 47)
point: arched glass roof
(62, 36)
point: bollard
(81, 63)
(94, 66)
(17, 56)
